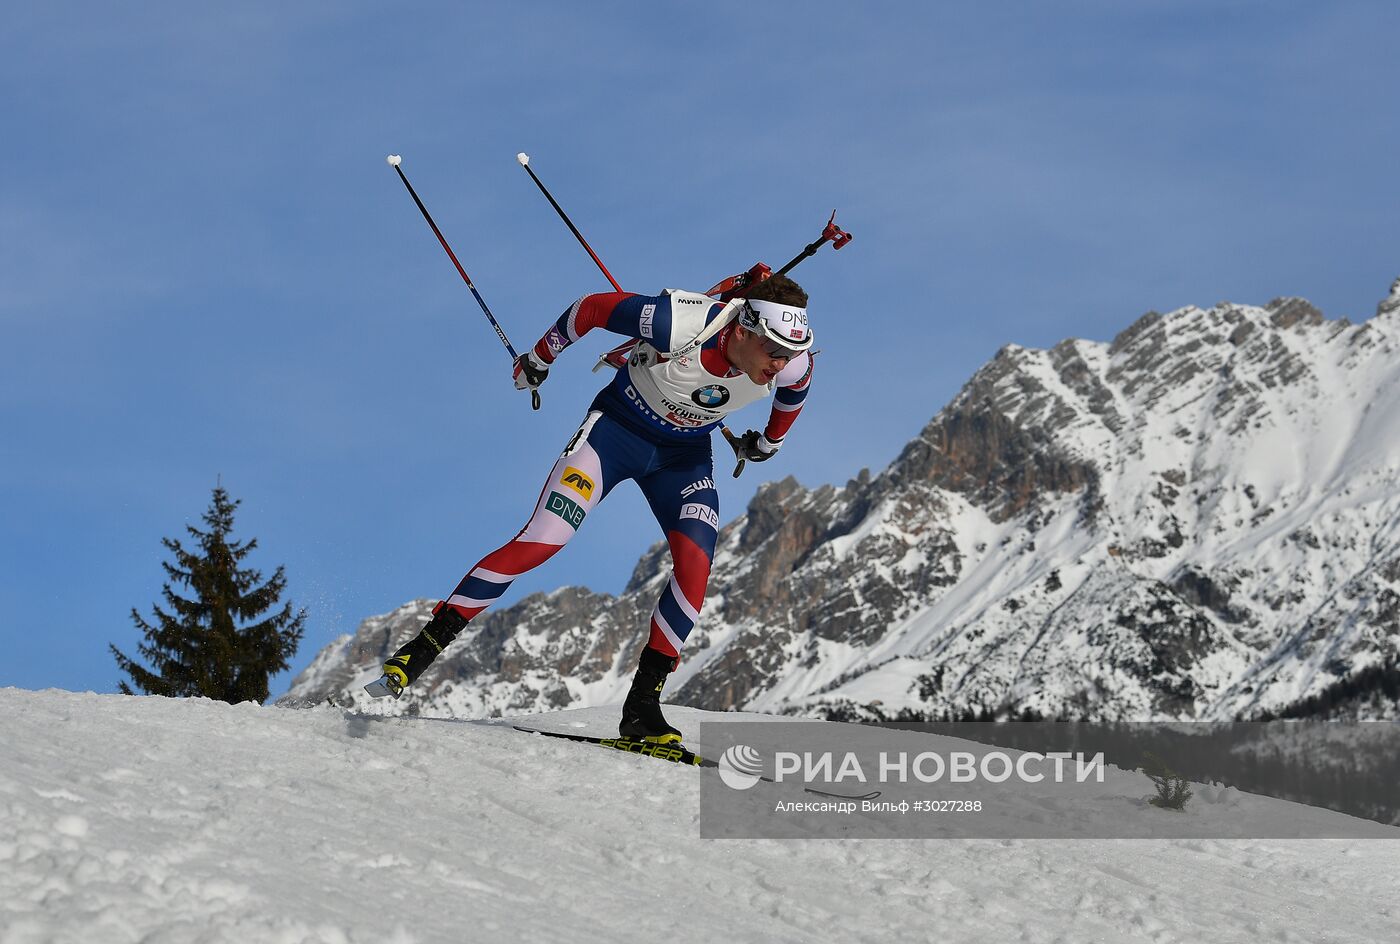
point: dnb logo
(578, 481)
(566, 509)
(796, 324)
(712, 396)
(700, 512)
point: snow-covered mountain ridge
(1200, 519)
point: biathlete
(695, 361)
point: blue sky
(209, 271)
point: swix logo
(700, 512)
(578, 481)
(699, 486)
(648, 317)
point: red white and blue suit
(652, 424)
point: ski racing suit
(652, 424)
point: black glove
(753, 446)
(529, 371)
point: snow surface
(156, 820)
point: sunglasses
(778, 353)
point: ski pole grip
(535, 399)
(734, 442)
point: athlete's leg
(576, 484)
(594, 461)
(683, 497)
(686, 505)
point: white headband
(786, 324)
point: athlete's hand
(753, 446)
(529, 372)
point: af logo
(578, 481)
(712, 396)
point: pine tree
(206, 645)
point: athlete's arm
(793, 382)
(643, 317)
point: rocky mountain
(1200, 519)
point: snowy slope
(147, 819)
(1199, 519)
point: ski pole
(832, 232)
(394, 162)
(619, 353)
(524, 160)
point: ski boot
(414, 656)
(641, 712)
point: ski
(675, 753)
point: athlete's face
(757, 356)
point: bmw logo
(712, 396)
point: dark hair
(780, 289)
